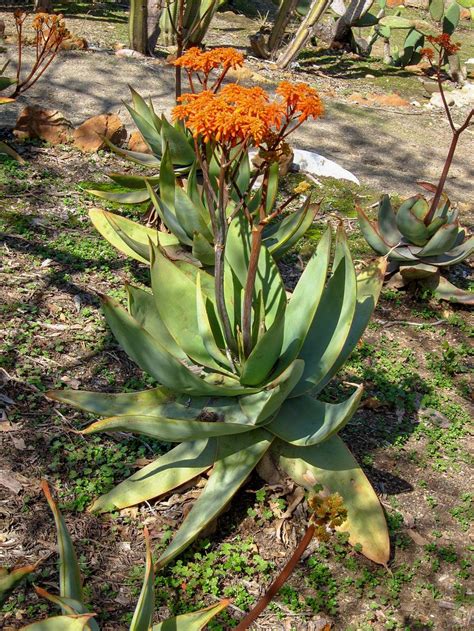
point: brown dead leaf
(19, 443)
(8, 480)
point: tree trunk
(144, 25)
(43, 6)
(154, 9)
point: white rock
(437, 101)
(318, 165)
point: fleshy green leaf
(268, 280)
(280, 236)
(387, 222)
(455, 255)
(150, 134)
(156, 401)
(316, 421)
(436, 9)
(133, 181)
(61, 623)
(194, 621)
(371, 233)
(175, 300)
(332, 321)
(442, 241)
(69, 572)
(9, 578)
(181, 151)
(333, 466)
(451, 18)
(236, 458)
(167, 429)
(369, 284)
(444, 290)
(150, 355)
(409, 224)
(143, 614)
(203, 250)
(144, 159)
(304, 301)
(69, 606)
(203, 306)
(167, 215)
(141, 305)
(265, 353)
(179, 465)
(260, 407)
(129, 237)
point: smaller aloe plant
(424, 237)
(418, 245)
(75, 615)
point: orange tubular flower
(428, 53)
(196, 60)
(301, 99)
(444, 42)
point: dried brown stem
(279, 582)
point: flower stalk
(328, 513)
(444, 47)
(226, 121)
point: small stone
(48, 125)
(89, 137)
(128, 52)
(370, 76)
(415, 103)
(437, 101)
(137, 143)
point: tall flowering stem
(328, 513)
(444, 47)
(50, 32)
(226, 121)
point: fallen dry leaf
(10, 482)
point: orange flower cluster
(197, 60)
(444, 42)
(237, 114)
(300, 98)
(234, 115)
